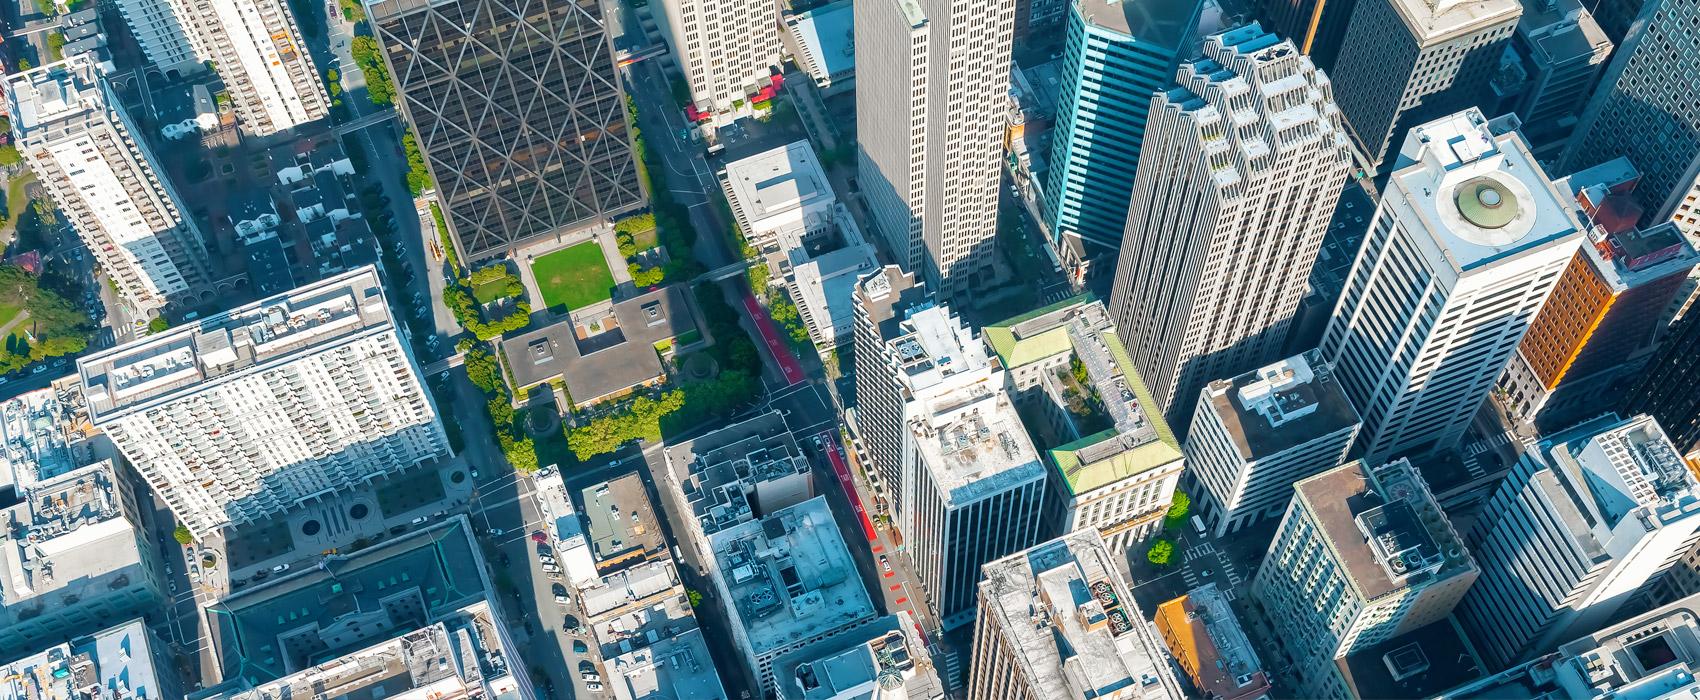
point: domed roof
(1486, 202)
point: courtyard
(574, 277)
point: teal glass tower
(1117, 55)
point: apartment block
(1363, 555)
(1058, 622)
(1586, 520)
(1111, 460)
(85, 150)
(1406, 62)
(1240, 170)
(973, 491)
(163, 39)
(1257, 434)
(256, 48)
(1466, 245)
(1201, 632)
(727, 51)
(246, 415)
(126, 661)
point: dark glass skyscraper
(1669, 389)
(516, 107)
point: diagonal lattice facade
(516, 108)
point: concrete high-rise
(1363, 555)
(1058, 621)
(1467, 243)
(1561, 52)
(1644, 108)
(1239, 173)
(163, 38)
(248, 414)
(932, 77)
(727, 50)
(1667, 389)
(1316, 27)
(1254, 435)
(1583, 522)
(973, 490)
(1403, 62)
(256, 48)
(520, 117)
(83, 147)
(1116, 55)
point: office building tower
(915, 352)
(1653, 654)
(1238, 177)
(1585, 520)
(787, 582)
(1057, 621)
(1208, 644)
(520, 118)
(1604, 314)
(123, 661)
(84, 149)
(1560, 52)
(1465, 247)
(1116, 55)
(1403, 62)
(1362, 555)
(1253, 436)
(742, 472)
(1111, 465)
(163, 39)
(932, 79)
(243, 416)
(79, 554)
(1316, 27)
(884, 660)
(973, 490)
(727, 51)
(1643, 108)
(1667, 387)
(257, 50)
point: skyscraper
(1254, 435)
(1562, 52)
(727, 50)
(1316, 27)
(1466, 245)
(1057, 621)
(1238, 177)
(1669, 388)
(973, 491)
(516, 108)
(1403, 62)
(931, 83)
(75, 135)
(257, 50)
(248, 414)
(1584, 520)
(1115, 56)
(1644, 108)
(1363, 555)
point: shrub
(181, 534)
(1161, 553)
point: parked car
(496, 532)
(562, 601)
(885, 563)
(280, 568)
(419, 520)
(592, 686)
(579, 647)
(538, 537)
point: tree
(158, 324)
(694, 596)
(56, 46)
(418, 177)
(521, 453)
(24, 64)
(9, 155)
(379, 89)
(1161, 553)
(1179, 506)
(181, 534)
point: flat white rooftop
(824, 287)
(1432, 21)
(118, 660)
(935, 346)
(1482, 197)
(675, 668)
(1625, 465)
(777, 181)
(974, 444)
(52, 93)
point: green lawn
(491, 291)
(573, 277)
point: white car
(496, 532)
(280, 568)
(592, 686)
(561, 600)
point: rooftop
(1562, 30)
(617, 356)
(50, 95)
(1614, 469)
(1481, 196)
(776, 182)
(638, 626)
(823, 287)
(675, 668)
(313, 319)
(789, 576)
(1137, 441)
(269, 631)
(622, 520)
(1200, 627)
(884, 660)
(1072, 624)
(825, 35)
(887, 295)
(1282, 405)
(1417, 664)
(1384, 527)
(933, 346)
(1434, 21)
(68, 534)
(973, 444)
(463, 655)
(721, 474)
(116, 663)
(1167, 25)
(564, 524)
(635, 586)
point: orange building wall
(1561, 329)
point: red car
(539, 537)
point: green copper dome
(1486, 203)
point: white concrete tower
(1238, 177)
(74, 134)
(931, 89)
(1465, 248)
(727, 50)
(256, 48)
